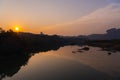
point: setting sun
(17, 29)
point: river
(67, 63)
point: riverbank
(110, 45)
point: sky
(63, 17)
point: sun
(17, 29)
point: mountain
(109, 35)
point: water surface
(67, 63)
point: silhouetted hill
(110, 35)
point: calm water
(67, 64)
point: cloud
(96, 22)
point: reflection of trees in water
(12, 64)
(17, 48)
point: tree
(2, 31)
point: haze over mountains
(113, 33)
(110, 34)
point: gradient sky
(64, 17)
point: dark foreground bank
(12, 43)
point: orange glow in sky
(79, 17)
